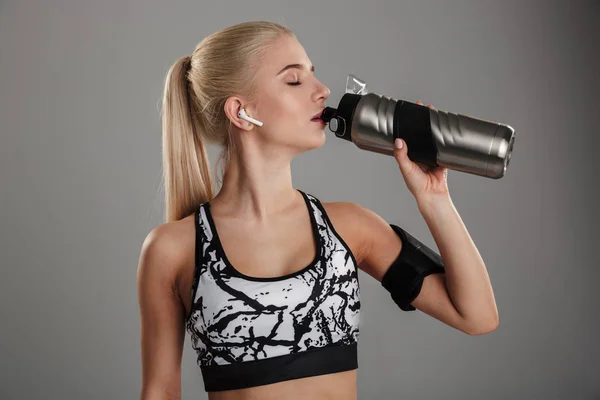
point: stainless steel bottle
(434, 137)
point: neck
(256, 188)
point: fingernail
(398, 143)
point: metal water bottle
(434, 137)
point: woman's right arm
(161, 315)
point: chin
(311, 141)
(318, 140)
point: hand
(423, 181)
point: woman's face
(288, 97)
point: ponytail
(186, 167)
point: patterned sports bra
(250, 331)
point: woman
(263, 276)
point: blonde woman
(263, 276)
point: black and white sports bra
(250, 331)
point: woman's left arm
(462, 296)
(466, 277)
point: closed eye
(294, 83)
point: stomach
(336, 386)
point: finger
(430, 106)
(419, 102)
(401, 156)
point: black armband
(404, 278)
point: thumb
(401, 156)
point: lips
(317, 115)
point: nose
(322, 92)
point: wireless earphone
(242, 114)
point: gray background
(80, 90)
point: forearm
(467, 280)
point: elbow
(482, 328)
(160, 393)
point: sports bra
(250, 331)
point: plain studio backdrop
(80, 168)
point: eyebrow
(297, 66)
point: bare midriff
(337, 386)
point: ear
(232, 106)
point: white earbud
(242, 114)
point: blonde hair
(196, 89)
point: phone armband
(405, 276)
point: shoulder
(166, 250)
(368, 232)
(348, 213)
